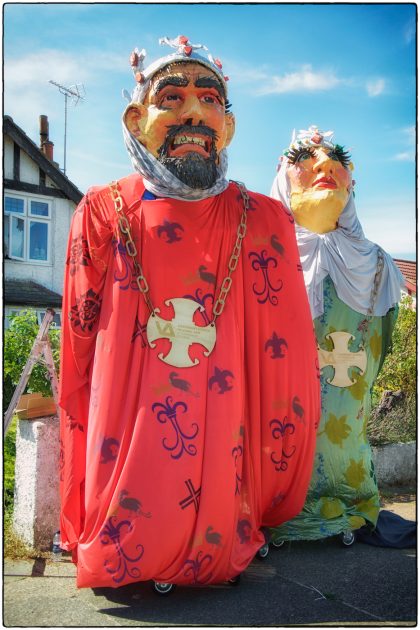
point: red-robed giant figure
(189, 384)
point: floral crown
(314, 137)
(185, 51)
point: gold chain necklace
(181, 330)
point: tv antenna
(76, 93)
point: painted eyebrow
(170, 80)
(209, 82)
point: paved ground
(305, 583)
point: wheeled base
(163, 588)
(348, 538)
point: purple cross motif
(280, 429)
(197, 566)
(169, 411)
(140, 331)
(192, 498)
(126, 279)
(112, 534)
(261, 262)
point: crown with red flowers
(185, 52)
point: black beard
(193, 169)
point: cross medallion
(181, 332)
(341, 359)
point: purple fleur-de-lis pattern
(195, 568)
(221, 381)
(202, 298)
(170, 232)
(265, 289)
(277, 345)
(123, 276)
(279, 429)
(181, 439)
(121, 566)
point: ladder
(40, 353)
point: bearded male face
(183, 122)
(320, 180)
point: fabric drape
(170, 473)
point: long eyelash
(343, 156)
(227, 106)
(294, 154)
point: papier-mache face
(319, 173)
(182, 118)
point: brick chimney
(46, 146)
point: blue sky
(350, 68)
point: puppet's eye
(339, 155)
(299, 155)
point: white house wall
(8, 157)
(29, 171)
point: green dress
(343, 493)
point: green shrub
(18, 342)
(393, 418)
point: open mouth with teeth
(184, 143)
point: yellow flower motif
(375, 344)
(331, 508)
(370, 507)
(356, 522)
(337, 429)
(355, 473)
(359, 388)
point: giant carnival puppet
(354, 289)
(189, 386)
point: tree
(399, 368)
(18, 342)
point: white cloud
(405, 156)
(410, 32)
(303, 80)
(375, 87)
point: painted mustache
(201, 136)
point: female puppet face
(320, 180)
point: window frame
(27, 216)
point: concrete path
(305, 583)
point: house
(39, 201)
(408, 269)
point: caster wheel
(263, 551)
(348, 538)
(277, 543)
(163, 588)
(235, 580)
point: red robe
(170, 473)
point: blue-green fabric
(343, 492)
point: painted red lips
(325, 182)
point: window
(27, 225)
